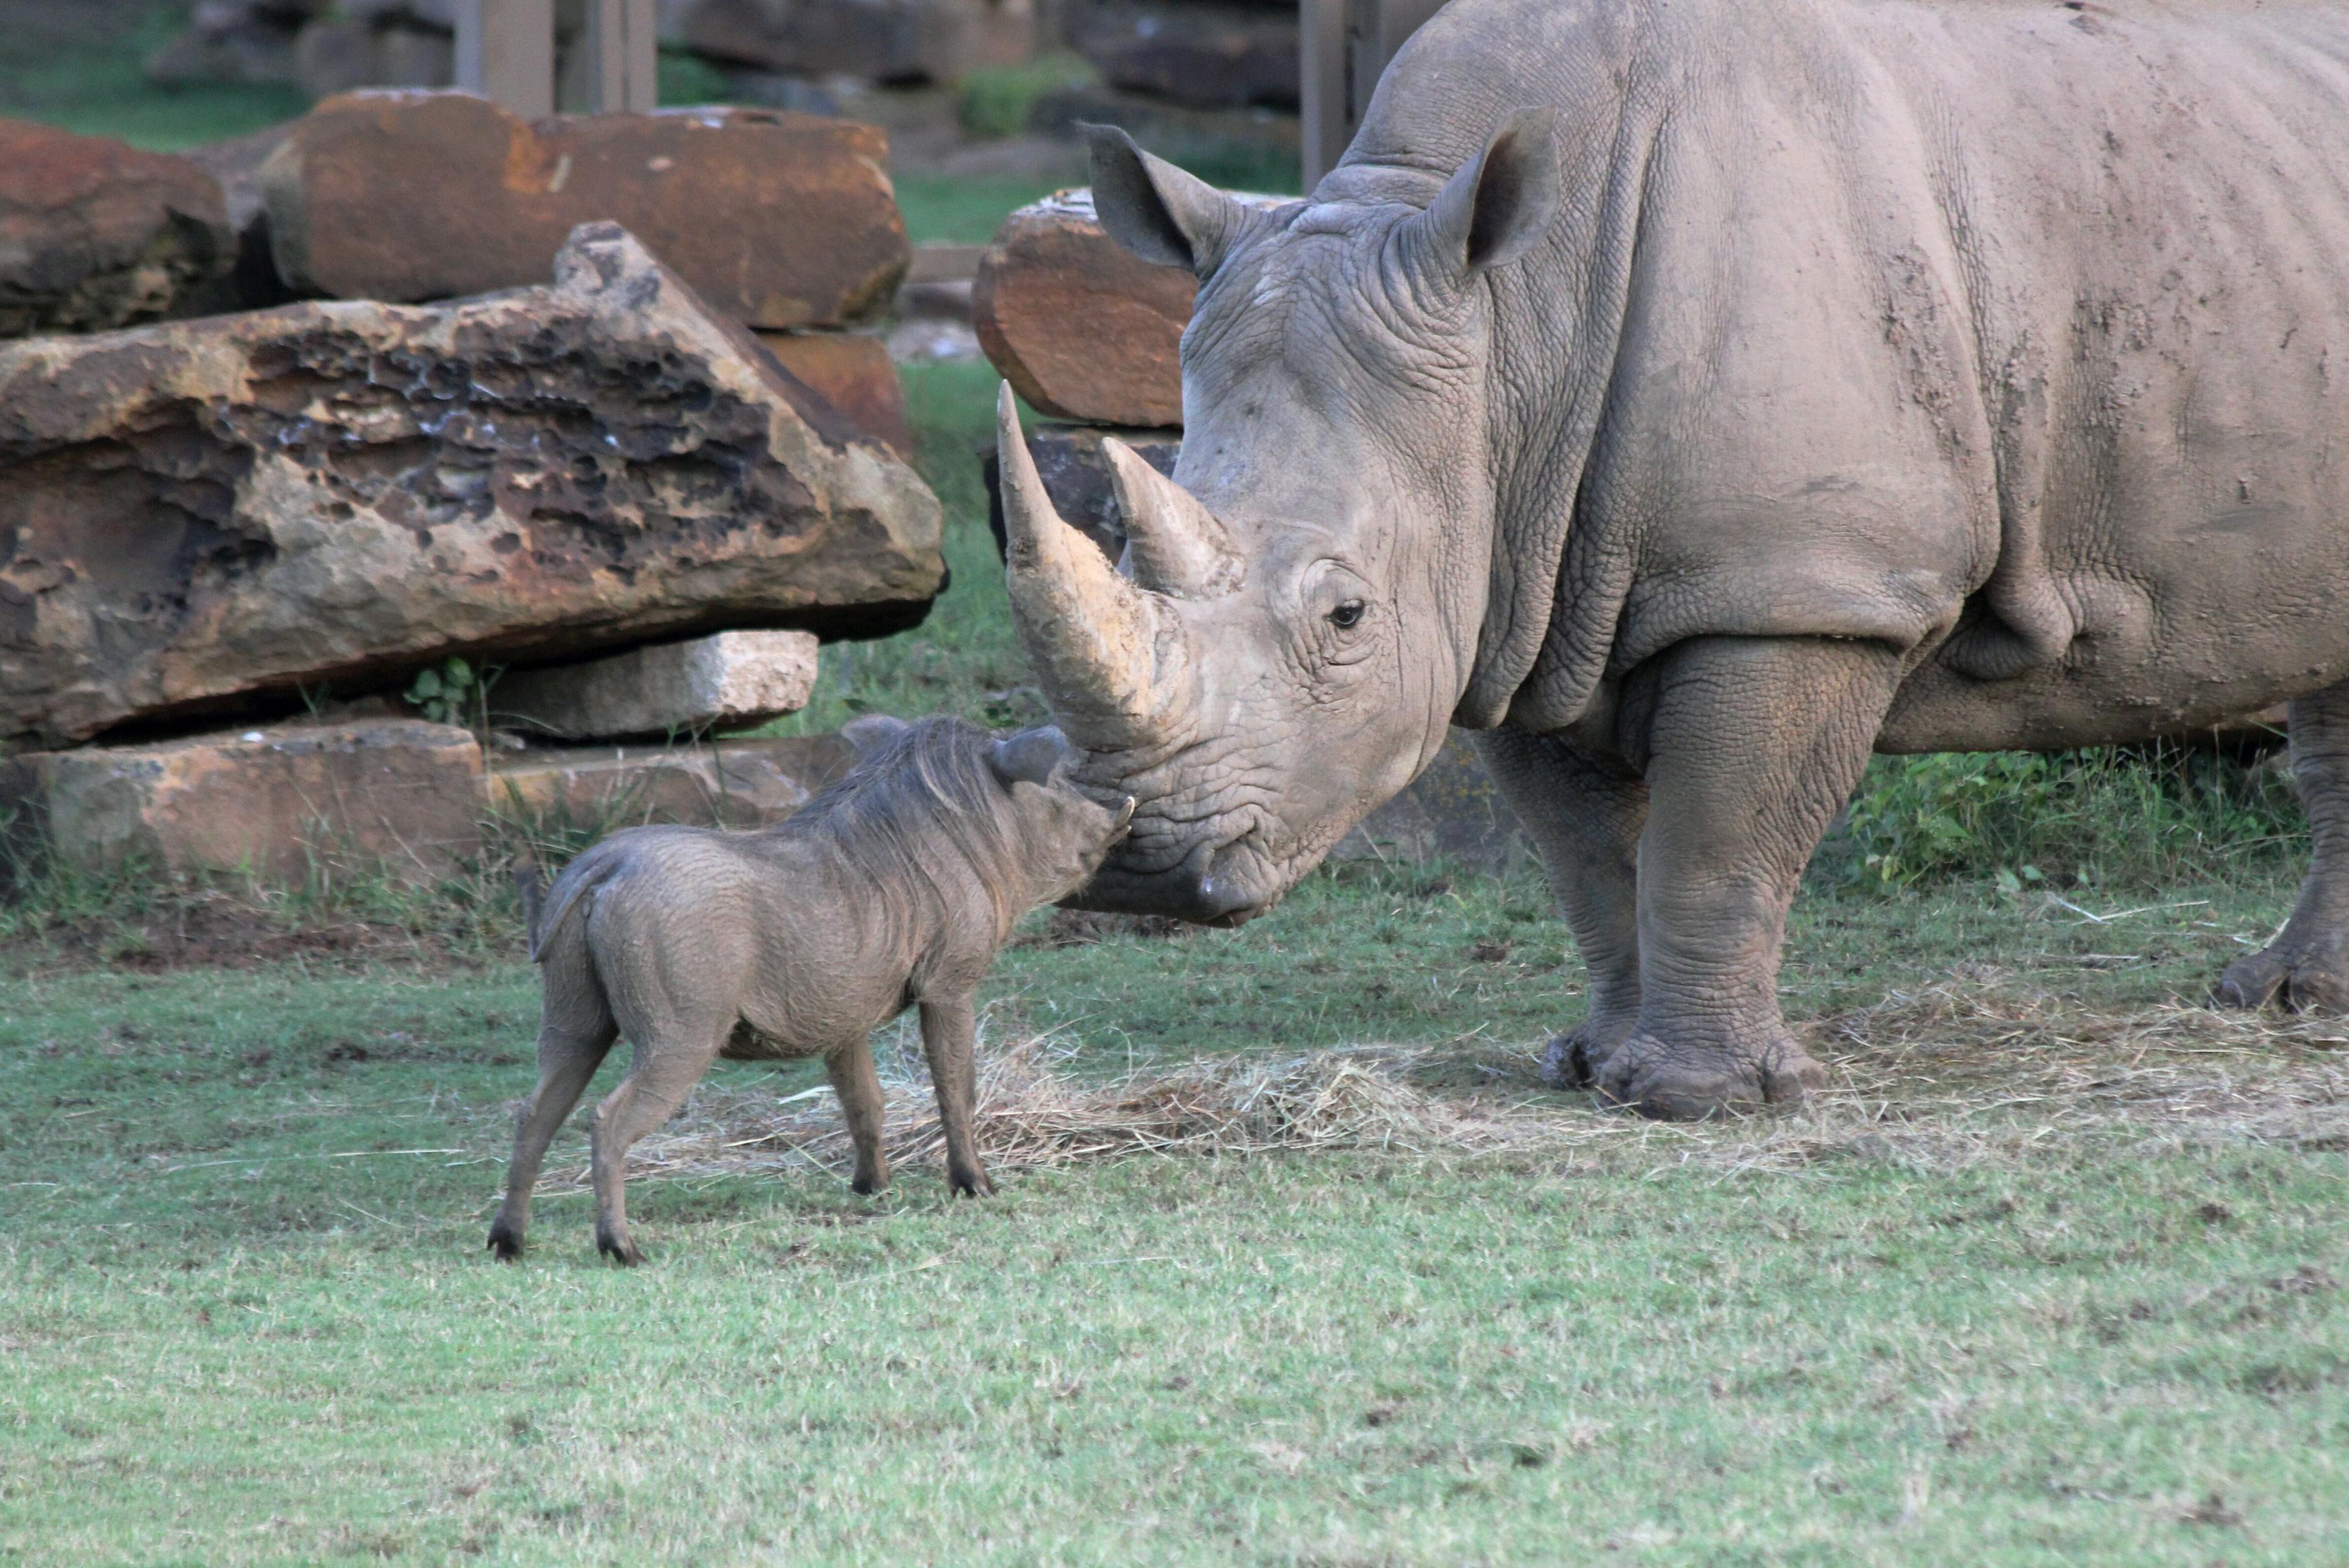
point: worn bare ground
(1982, 1065)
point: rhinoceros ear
(1029, 756)
(1500, 204)
(1156, 211)
(872, 732)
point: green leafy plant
(452, 692)
(2134, 814)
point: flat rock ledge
(336, 494)
(732, 680)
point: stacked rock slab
(95, 235)
(732, 680)
(780, 220)
(1080, 328)
(396, 793)
(203, 514)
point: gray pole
(1343, 48)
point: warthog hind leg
(667, 1064)
(1754, 744)
(576, 1031)
(2306, 968)
(1584, 815)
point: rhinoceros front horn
(1112, 656)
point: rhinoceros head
(1297, 611)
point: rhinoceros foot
(2297, 975)
(1575, 1059)
(1690, 1083)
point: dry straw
(1982, 1065)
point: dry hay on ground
(1981, 1065)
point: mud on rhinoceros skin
(1604, 401)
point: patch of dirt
(1083, 927)
(220, 932)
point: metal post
(505, 52)
(1345, 46)
(623, 58)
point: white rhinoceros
(1695, 395)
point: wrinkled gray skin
(893, 889)
(1697, 397)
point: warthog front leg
(2306, 968)
(1753, 745)
(949, 1037)
(1584, 815)
(858, 1088)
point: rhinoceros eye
(1348, 616)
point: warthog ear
(1156, 211)
(1029, 756)
(872, 732)
(1500, 204)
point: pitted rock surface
(204, 513)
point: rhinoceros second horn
(1174, 545)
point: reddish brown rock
(853, 374)
(96, 234)
(205, 515)
(878, 40)
(734, 784)
(779, 219)
(1079, 328)
(399, 793)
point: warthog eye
(1348, 616)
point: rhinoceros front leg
(1584, 815)
(2306, 968)
(1753, 747)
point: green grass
(94, 85)
(247, 1319)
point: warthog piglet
(893, 889)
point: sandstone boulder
(1075, 472)
(1081, 330)
(853, 373)
(891, 41)
(779, 219)
(399, 793)
(96, 234)
(335, 57)
(1209, 56)
(730, 680)
(228, 44)
(1453, 811)
(201, 516)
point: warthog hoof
(1690, 1084)
(621, 1250)
(970, 1184)
(2296, 979)
(505, 1244)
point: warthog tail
(581, 874)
